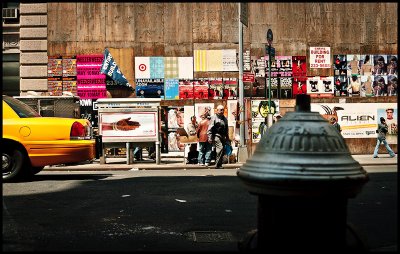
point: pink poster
(91, 84)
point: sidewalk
(176, 163)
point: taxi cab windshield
(22, 110)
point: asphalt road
(192, 210)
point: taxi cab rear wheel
(12, 164)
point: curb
(135, 167)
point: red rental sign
(248, 77)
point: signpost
(271, 54)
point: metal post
(242, 149)
(128, 153)
(270, 115)
(158, 152)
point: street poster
(90, 86)
(299, 66)
(186, 89)
(150, 88)
(54, 66)
(171, 89)
(230, 88)
(55, 86)
(200, 88)
(320, 57)
(215, 90)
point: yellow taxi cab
(30, 142)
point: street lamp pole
(242, 149)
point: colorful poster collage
(365, 75)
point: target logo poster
(142, 67)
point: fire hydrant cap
(302, 155)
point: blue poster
(172, 89)
(110, 68)
(150, 88)
(156, 67)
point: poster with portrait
(392, 65)
(392, 85)
(380, 65)
(145, 125)
(260, 109)
(379, 85)
(354, 86)
(175, 117)
(233, 107)
(366, 86)
(203, 108)
(390, 115)
(174, 143)
(189, 112)
(353, 64)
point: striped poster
(200, 60)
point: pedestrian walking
(335, 124)
(218, 134)
(382, 130)
(204, 146)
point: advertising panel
(360, 120)
(128, 124)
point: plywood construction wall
(176, 29)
